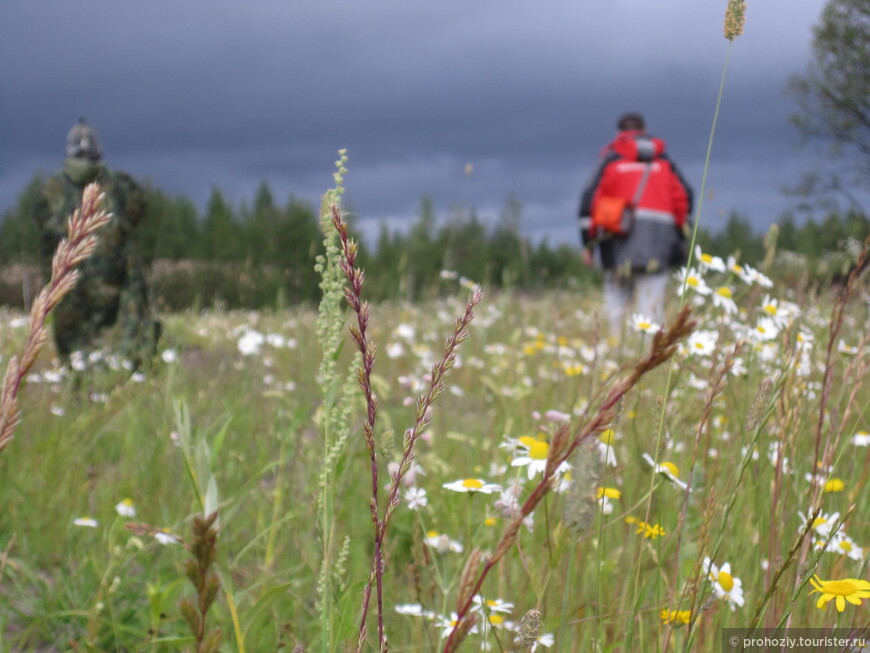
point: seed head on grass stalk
(198, 569)
(79, 244)
(735, 19)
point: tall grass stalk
(734, 21)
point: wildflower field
(266, 485)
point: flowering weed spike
(735, 19)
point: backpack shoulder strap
(641, 185)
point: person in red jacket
(636, 168)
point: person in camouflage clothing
(108, 307)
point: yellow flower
(847, 589)
(835, 485)
(650, 531)
(609, 492)
(676, 617)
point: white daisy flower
(472, 485)
(848, 350)
(447, 625)
(493, 605)
(605, 447)
(841, 544)
(642, 323)
(605, 497)
(822, 525)
(766, 329)
(723, 298)
(547, 639)
(667, 469)
(414, 610)
(702, 343)
(725, 586)
(87, 522)
(754, 276)
(406, 331)
(395, 350)
(165, 537)
(533, 454)
(250, 342)
(691, 279)
(442, 543)
(126, 508)
(708, 261)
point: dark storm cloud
(200, 94)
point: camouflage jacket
(62, 195)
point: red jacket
(665, 202)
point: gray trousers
(639, 293)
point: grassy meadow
(725, 488)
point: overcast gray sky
(200, 93)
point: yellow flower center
(819, 521)
(699, 344)
(693, 281)
(726, 582)
(496, 619)
(432, 534)
(707, 258)
(737, 268)
(127, 502)
(606, 437)
(527, 441)
(770, 308)
(672, 469)
(724, 291)
(644, 326)
(490, 521)
(760, 329)
(539, 450)
(472, 484)
(846, 545)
